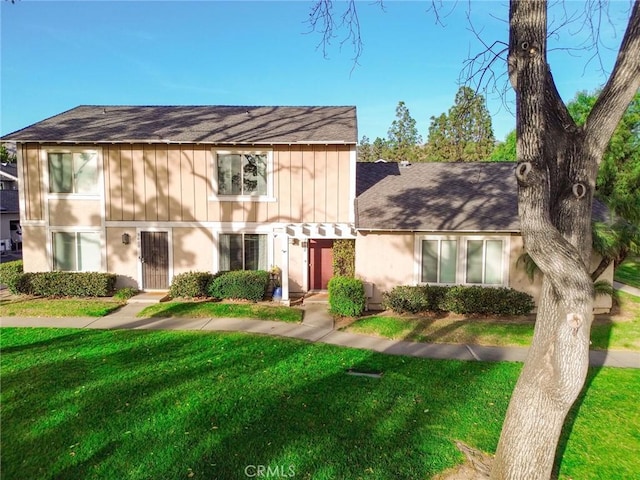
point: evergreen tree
(403, 136)
(464, 133)
(365, 150)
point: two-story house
(150, 192)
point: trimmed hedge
(240, 284)
(346, 296)
(10, 275)
(191, 284)
(460, 299)
(68, 284)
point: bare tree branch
(621, 87)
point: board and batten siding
(175, 183)
(32, 183)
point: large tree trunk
(556, 172)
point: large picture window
(464, 259)
(242, 174)
(76, 251)
(73, 172)
(243, 251)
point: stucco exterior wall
(34, 249)
(72, 212)
(192, 250)
(122, 259)
(385, 260)
(297, 264)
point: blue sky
(57, 55)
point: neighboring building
(449, 223)
(150, 192)
(10, 232)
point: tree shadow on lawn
(164, 405)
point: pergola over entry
(303, 233)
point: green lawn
(83, 404)
(62, 307)
(628, 272)
(621, 331)
(215, 309)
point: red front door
(320, 263)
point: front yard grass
(132, 404)
(222, 309)
(620, 330)
(628, 272)
(60, 307)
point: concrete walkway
(627, 288)
(317, 326)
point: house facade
(444, 223)
(151, 192)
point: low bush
(423, 298)
(240, 284)
(68, 284)
(125, 293)
(460, 299)
(191, 284)
(346, 296)
(11, 274)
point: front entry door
(154, 255)
(320, 263)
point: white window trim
(461, 263)
(249, 231)
(269, 197)
(101, 236)
(70, 195)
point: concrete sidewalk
(317, 326)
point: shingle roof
(469, 197)
(195, 124)
(9, 168)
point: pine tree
(403, 136)
(464, 133)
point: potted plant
(275, 274)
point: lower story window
(243, 251)
(462, 260)
(484, 262)
(76, 251)
(439, 261)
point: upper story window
(73, 172)
(243, 175)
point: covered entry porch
(306, 255)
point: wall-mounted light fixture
(126, 239)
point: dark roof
(195, 124)
(466, 197)
(9, 202)
(10, 168)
